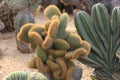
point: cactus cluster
(54, 45)
(21, 75)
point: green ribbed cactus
(21, 19)
(103, 33)
(17, 75)
(22, 75)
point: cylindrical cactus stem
(74, 40)
(51, 34)
(61, 44)
(53, 28)
(55, 17)
(63, 25)
(41, 66)
(47, 43)
(32, 63)
(36, 37)
(86, 45)
(52, 65)
(57, 53)
(80, 52)
(41, 53)
(69, 75)
(52, 10)
(47, 24)
(23, 34)
(63, 67)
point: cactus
(36, 76)
(57, 53)
(41, 53)
(63, 25)
(52, 10)
(74, 40)
(103, 47)
(23, 34)
(59, 43)
(55, 47)
(21, 19)
(17, 75)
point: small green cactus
(74, 40)
(23, 34)
(59, 43)
(41, 53)
(51, 11)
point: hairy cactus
(52, 10)
(57, 48)
(59, 43)
(96, 30)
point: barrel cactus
(17, 75)
(21, 19)
(22, 75)
(103, 33)
(56, 49)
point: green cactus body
(63, 25)
(53, 29)
(23, 34)
(52, 10)
(47, 43)
(36, 37)
(57, 53)
(21, 19)
(47, 24)
(18, 75)
(103, 47)
(37, 28)
(55, 17)
(41, 53)
(61, 44)
(36, 76)
(74, 40)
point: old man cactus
(103, 33)
(55, 47)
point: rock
(2, 26)
(77, 73)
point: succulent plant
(22, 75)
(55, 50)
(21, 19)
(17, 75)
(36, 76)
(103, 33)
